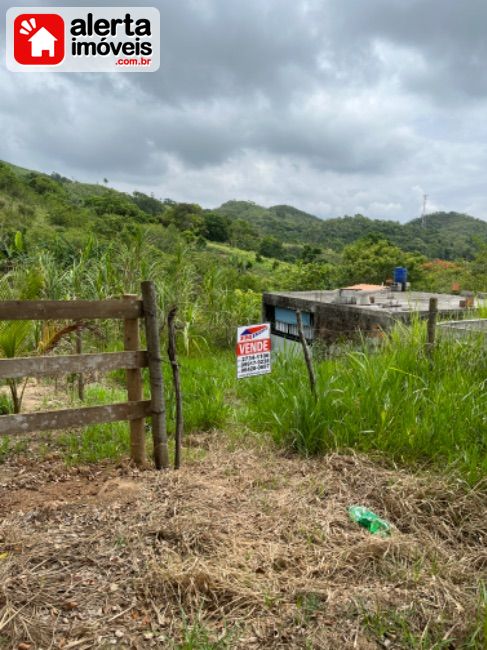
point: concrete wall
(333, 322)
(280, 344)
(474, 329)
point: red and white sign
(253, 350)
(39, 39)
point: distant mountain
(52, 206)
(446, 235)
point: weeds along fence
(131, 310)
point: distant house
(341, 314)
(42, 41)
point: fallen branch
(307, 354)
(172, 353)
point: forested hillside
(51, 217)
(446, 235)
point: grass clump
(401, 627)
(198, 637)
(6, 406)
(206, 382)
(98, 441)
(395, 400)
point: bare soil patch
(245, 547)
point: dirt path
(255, 546)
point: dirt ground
(242, 548)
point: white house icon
(42, 41)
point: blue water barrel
(400, 275)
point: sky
(333, 106)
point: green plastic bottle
(368, 519)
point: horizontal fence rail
(73, 363)
(78, 417)
(128, 308)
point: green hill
(447, 235)
(47, 208)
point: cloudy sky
(333, 106)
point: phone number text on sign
(253, 350)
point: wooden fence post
(172, 354)
(307, 355)
(432, 312)
(134, 391)
(158, 405)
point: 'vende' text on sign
(253, 350)
(83, 39)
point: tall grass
(395, 400)
(98, 441)
(206, 382)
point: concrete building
(464, 330)
(341, 314)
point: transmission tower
(423, 213)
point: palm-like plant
(16, 339)
(26, 338)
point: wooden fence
(130, 309)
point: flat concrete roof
(389, 302)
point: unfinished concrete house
(342, 314)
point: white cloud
(332, 107)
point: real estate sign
(253, 350)
(83, 39)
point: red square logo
(39, 39)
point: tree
(9, 182)
(316, 275)
(44, 184)
(478, 276)
(187, 217)
(116, 203)
(310, 253)
(243, 235)
(217, 227)
(373, 260)
(271, 247)
(148, 204)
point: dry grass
(242, 549)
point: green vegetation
(198, 637)
(447, 235)
(399, 625)
(392, 401)
(61, 240)
(98, 442)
